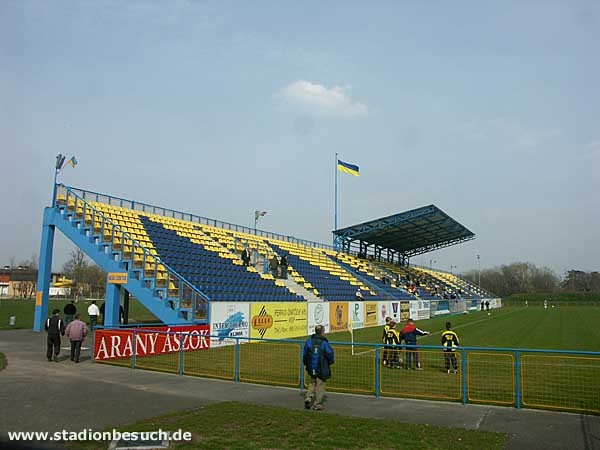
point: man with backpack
(318, 356)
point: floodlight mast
(60, 162)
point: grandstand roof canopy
(409, 233)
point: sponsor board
(357, 314)
(120, 343)
(318, 314)
(229, 321)
(394, 312)
(278, 320)
(404, 311)
(338, 316)
(370, 314)
(383, 311)
(117, 277)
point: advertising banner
(357, 315)
(370, 314)
(119, 343)
(227, 321)
(394, 312)
(318, 314)
(278, 320)
(404, 311)
(338, 316)
(383, 311)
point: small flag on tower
(72, 162)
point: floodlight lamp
(60, 161)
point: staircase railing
(155, 273)
(166, 212)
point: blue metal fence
(546, 379)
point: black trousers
(53, 345)
(75, 350)
(450, 359)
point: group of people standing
(392, 340)
(73, 327)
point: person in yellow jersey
(450, 342)
(386, 327)
(392, 342)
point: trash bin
(12, 321)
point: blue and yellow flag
(72, 162)
(348, 168)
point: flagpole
(336, 193)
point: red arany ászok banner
(115, 343)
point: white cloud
(318, 100)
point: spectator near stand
(450, 342)
(70, 309)
(392, 342)
(76, 332)
(386, 327)
(318, 356)
(409, 334)
(55, 328)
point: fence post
(237, 359)
(180, 353)
(518, 378)
(301, 367)
(377, 372)
(464, 368)
(133, 349)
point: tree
(514, 278)
(88, 278)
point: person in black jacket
(70, 310)
(55, 328)
(318, 356)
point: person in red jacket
(409, 333)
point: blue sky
(490, 110)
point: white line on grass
(476, 321)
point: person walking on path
(69, 310)
(76, 332)
(55, 328)
(93, 312)
(450, 342)
(318, 357)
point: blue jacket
(318, 356)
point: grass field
(563, 328)
(23, 311)
(550, 381)
(242, 426)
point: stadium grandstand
(176, 263)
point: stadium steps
(392, 293)
(292, 285)
(235, 241)
(158, 287)
(210, 266)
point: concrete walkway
(36, 395)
